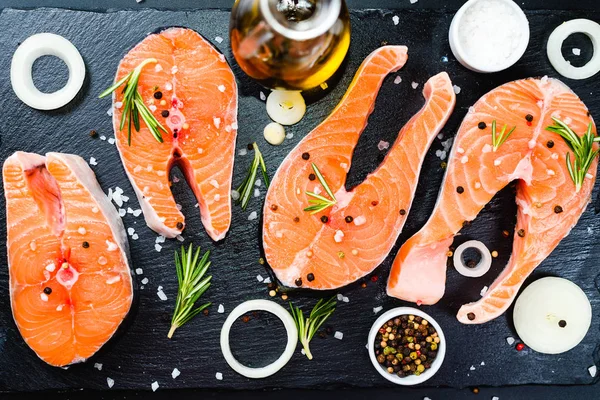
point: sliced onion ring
(286, 107)
(34, 47)
(554, 48)
(288, 323)
(482, 267)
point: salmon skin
(548, 204)
(343, 243)
(198, 107)
(70, 282)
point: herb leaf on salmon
(321, 203)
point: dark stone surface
(143, 354)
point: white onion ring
(34, 47)
(288, 323)
(286, 107)
(482, 267)
(554, 49)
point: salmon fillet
(535, 158)
(200, 93)
(70, 283)
(360, 230)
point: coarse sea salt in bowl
(489, 35)
(410, 379)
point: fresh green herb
(192, 285)
(583, 150)
(133, 104)
(499, 138)
(309, 326)
(245, 189)
(320, 203)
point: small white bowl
(411, 379)
(462, 56)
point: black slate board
(142, 353)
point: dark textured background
(143, 354)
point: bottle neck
(300, 19)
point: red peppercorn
(374, 278)
(418, 353)
(520, 346)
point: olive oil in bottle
(290, 44)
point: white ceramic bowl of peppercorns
(406, 346)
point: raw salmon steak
(70, 283)
(343, 243)
(548, 204)
(198, 107)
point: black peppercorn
(85, 245)
(562, 323)
(460, 190)
(521, 233)
(179, 225)
(482, 125)
(550, 144)
(310, 277)
(164, 113)
(175, 134)
(47, 290)
(250, 147)
(296, 219)
(298, 282)
(93, 134)
(274, 207)
(471, 316)
(324, 219)
(403, 212)
(529, 117)
(305, 156)
(158, 95)
(558, 209)
(312, 177)
(348, 219)
(374, 203)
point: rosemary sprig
(320, 203)
(499, 138)
(309, 326)
(245, 189)
(583, 150)
(192, 285)
(133, 104)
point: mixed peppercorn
(406, 345)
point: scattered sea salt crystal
(113, 279)
(95, 210)
(111, 140)
(482, 363)
(136, 213)
(110, 112)
(339, 235)
(174, 69)
(510, 341)
(122, 212)
(267, 280)
(161, 295)
(139, 271)
(59, 307)
(340, 297)
(360, 220)
(544, 79)
(338, 335)
(576, 51)
(382, 145)
(413, 1)
(221, 88)
(258, 183)
(154, 386)
(396, 19)
(175, 179)
(179, 238)
(44, 296)
(111, 246)
(262, 96)
(414, 85)
(217, 122)
(32, 245)
(110, 382)
(486, 148)
(460, 150)
(289, 135)
(550, 172)
(219, 39)
(102, 137)
(531, 144)
(214, 183)
(98, 366)
(130, 231)
(303, 352)
(81, 230)
(243, 152)
(593, 370)
(376, 310)
(135, 236)
(175, 373)
(483, 291)
(253, 215)
(472, 368)
(93, 161)
(345, 299)
(554, 156)
(157, 247)
(50, 267)
(219, 376)
(221, 309)
(497, 162)
(158, 68)
(168, 86)
(589, 176)
(397, 80)
(444, 59)
(464, 159)
(160, 239)
(456, 89)
(235, 194)
(145, 281)
(256, 192)
(495, 398)
(259, 278)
